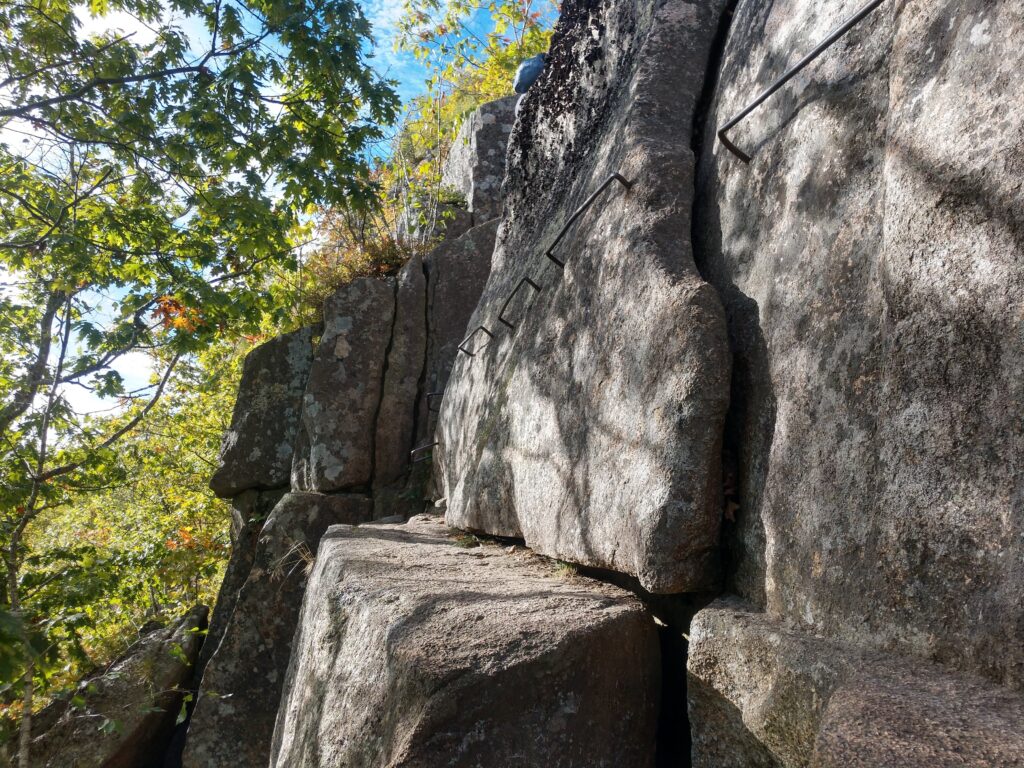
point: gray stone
(457, 271)
(241, 687)
(396, 417)
(137, 697)
(594, 429)
(249, 510)
(257, 448)
(475, 164)
(335, 449)
(763, 695)
(919, 717)
(416, 651)
(871, 260)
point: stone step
(761, 694)
(417, 650)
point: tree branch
(72, 466)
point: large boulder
(257, 448)
(234, 717)
(475, 164)
(765, 696)
(871, 261)
(335, 449)
(415, 650)
(123, 717)
(593, 429)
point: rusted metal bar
(841, 30)
(580, 211)
(465, 341)
(430, 396)
(520, 284)
(419, 448)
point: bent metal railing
(465, 341)
(501, 312)
(580, 211)
(841, 30)
(549, 253)
(420, 448)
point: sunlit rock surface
(241, 687)
(593, 430)
(416, 650)
(257, 448)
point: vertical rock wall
(871, 263)
(344, 415)
(862, 278)
(870, 258)
(592, 428)
(475, 164)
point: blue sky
(397, 65)
(136, 368)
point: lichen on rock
(593, 429)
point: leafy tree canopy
(152, 174)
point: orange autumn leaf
(172, 314)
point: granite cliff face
(592, 427)
(870, 262)
(765, 414)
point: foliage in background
(159, 199)
(147, 544)
(471, 49)
(149, 183)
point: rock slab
(593, 428)
(456, 274)
(234, 717)
(416, 651)
(257, 449)
(335, 448)
(871, 260)
(475, 164)
(762, 695)
(397, 415)
(137, 699)
(249, 511)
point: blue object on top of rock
(528, 73)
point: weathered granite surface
(137, 697)
(249, 511)
(594, 429)
(405, 359)
(335, 449)
(475, 164)
(241, 688)
(456, 273)
(871, 261)
(763, 695)
(416, 651)
(257, 449)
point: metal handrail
(520, 284)
(462, 346)
(419, 448)
(429, 396)
(580, 211)
(843, 28)
(550, 254)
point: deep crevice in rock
(383, 385)
(711, 77)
